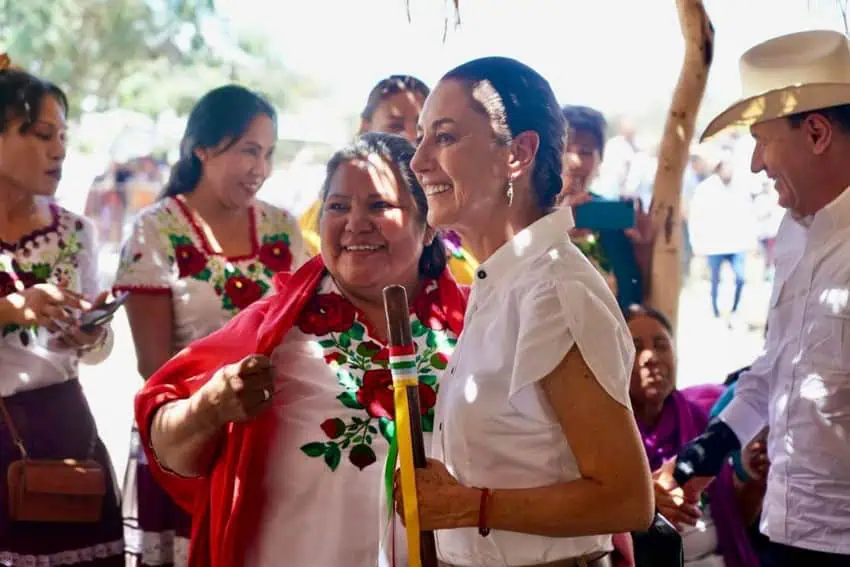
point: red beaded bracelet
(482, 512)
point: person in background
(714, 531)
(204, 252)
(48, 279)
(722, 228)
(621, 256)
(393, 106)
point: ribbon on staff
(404, 373)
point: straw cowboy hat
(789, 74)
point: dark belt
(599, 559)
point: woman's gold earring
(510, 192)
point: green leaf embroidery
(327, 343)
(41, 271)
(349, 400)
(428, 379)
(372, 429)
(344, 340)
(9, 329)
(180, 240)
(314, 449)
(428, 421)
(418, 329)
(346, 443)
(332, 456)
(356, 331)
(431, 341)
(203, 275)
(368, 350)
(387, 428)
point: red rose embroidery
(276, 256)
(7, 284)
(428, 309)
(190, 261)
(376, 394)
(333, 427)
(326, 313)
(242, 291)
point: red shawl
(226, 505)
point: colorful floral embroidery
(361, 364)
(591, 247)
(237, 281)
(48, 255)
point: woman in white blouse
(48, 278)
(535, 439)
(202, 253)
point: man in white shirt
(799, 114)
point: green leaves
(349, 400)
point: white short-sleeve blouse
(531, 301)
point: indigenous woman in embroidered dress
(279, 425)
(48, 278)
(205, 251)
(536, 440)
(393, 107)
(714, 531)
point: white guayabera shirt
(531, 301)
(800, 386)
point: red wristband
(483, 530)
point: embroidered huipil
(63, 253)
(325, 487)
(168, 253)
(800, 386)
(532, 300)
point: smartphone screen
(605, 215)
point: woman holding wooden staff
(537, 455)
(274, 430)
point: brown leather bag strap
(13, 431)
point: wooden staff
(665, 283)
(422, 549)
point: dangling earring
(510, 192)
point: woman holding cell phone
(48, 284)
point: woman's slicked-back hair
(21, 96)
(518, 99)
(223, 115)
(397, 152)
(386, 88)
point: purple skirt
(55, 422)
(157, 530)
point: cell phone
(605, 215)
(93, 319)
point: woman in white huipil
(48, 279)
(203, 252)
(535, 438)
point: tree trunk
(666, 271)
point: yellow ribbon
(408, 473)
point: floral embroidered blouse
(326, 490)
(62, 253)
(167, 252)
